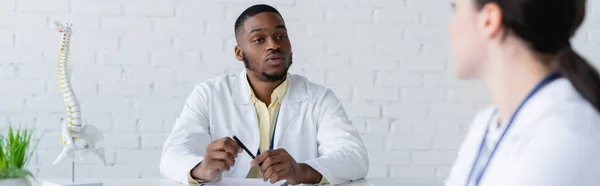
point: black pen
(243, 147)
(239, 142)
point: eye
(281, 37)
(259, 40)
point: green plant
(15, 153)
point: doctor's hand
(220, 156)
(278, 164)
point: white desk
(166, 182)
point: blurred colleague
(297, 129)
(544, 125)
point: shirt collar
(277, 94)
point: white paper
(248, 182)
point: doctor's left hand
(279, 165)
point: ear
(238, 52)
(490, 20)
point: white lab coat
(312, 126)
(554, 141)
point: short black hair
(252, 11)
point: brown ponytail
(548, 25)
(582, 75)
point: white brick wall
(135, 62)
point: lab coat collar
(296, 92)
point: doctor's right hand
(220, 156)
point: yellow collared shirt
(267, 117)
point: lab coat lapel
(296, 93)
(249, 128)
(289, 107)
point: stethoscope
(551, 77)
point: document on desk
(244, 182)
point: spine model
(72, 127)
(73, 117)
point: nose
(272, 44)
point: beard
(269, 77)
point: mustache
(276, 51)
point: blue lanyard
(548, 79)
(272, 135)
